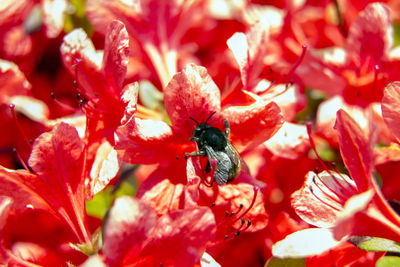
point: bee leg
(194, 154)
(194, 139)
(227, 128)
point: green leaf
(388, 261)
(396, 28)
(150, 96)
(99, 205)
(102, 201)
(277, 262)
(76, 17)
(375, 244)
(314, 99)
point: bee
(214, 144)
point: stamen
(244, 229)
(255, 189)
(298, 61)
(343, 189)
(23, 163)
(247, 226)
(61, 104)
(309, 125)
(19, 127)
(271, 85)
(236, 212)
(228, 217)
(330, 189)
(237, 232)
(355, 190)
(322, 201)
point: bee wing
(234, 155)
(223, 167)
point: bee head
(201, 126)
(200, 129)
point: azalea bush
(199, 133)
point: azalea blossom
(144, 141)
(101, 104)
(133, 232)
(54, 184)
(347, 206)
(360, 69)
(192, 93)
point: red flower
(351, 206)
(55, 185)
(326, 116)
(104, 97)
(99, 78)
(157, 27)
(362, 67)
(26, 27)
(250, 52)
(15, 98)
(387, 158)
(177, 183)
(192, 93)
(133, 235)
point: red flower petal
(116, 55)
(100, 82)
(58, 183)
(371, 35)
(54, 16)
(25, 188)
(180, 237)
(191, 93)
(322, 197)
(5, 205)
(322, 72)
(57, 158)
(127, 227)
(12, 81)
(242, 198)
(13, 12)
(231, 196)
(391, 107)
(355, 149)
(249, 50)
(102, 12)
(105, 167)
(143, 141)
(304, 243)
(362, 217)
(81, 59)
(158, 191)
(28, 254)
(129, 99)
(290, 142)
(255, 123)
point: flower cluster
(199, 133)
